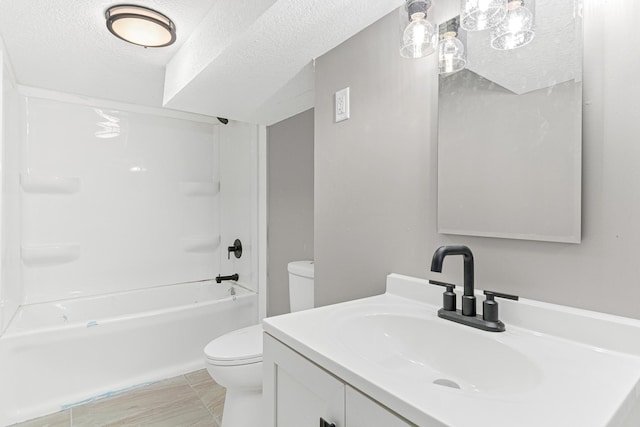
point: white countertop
(553, 366)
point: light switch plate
(342, 104)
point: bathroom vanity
(307, 393)
(389, 360)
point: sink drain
(447, 383)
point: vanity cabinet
(362, 411)
(299, 393)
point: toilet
(234, 360)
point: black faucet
(469, 298)
(489, 320)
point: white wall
(114, 197)
(375, 176)
(102, 197)
(239, 199)
(10, 119)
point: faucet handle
(490, 306)
(448, 297)
(448, 285)
(491, 294)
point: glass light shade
(516, 30)
(140, 26)
(477, 15)
(451, 54)
(418, 39)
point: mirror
(510, 133)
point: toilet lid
(239, 347)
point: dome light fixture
(140, 25)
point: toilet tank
(300, 285)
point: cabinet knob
(325, 423)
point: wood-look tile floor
(191, 400)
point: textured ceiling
(243, 59)
(64, 45)
(249, 74)
(246, 60)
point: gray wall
(290, 203)
(375, 177)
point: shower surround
(115, 218)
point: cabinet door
(297, 393)
(364, 412)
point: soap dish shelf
(49, 184)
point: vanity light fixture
(140, 25)
(451, 53)
(516, 30)
(418, 38)
(477, 15)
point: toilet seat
(239, 347)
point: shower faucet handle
(236, 249)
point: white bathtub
(54, 355)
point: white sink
(434, 351)
(553, 366)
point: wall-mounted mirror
(509, 133)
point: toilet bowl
(234, 360)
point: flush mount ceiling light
(516, 30)
(140, 25)
(479, 15)
(418, 38)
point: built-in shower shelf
(199, 189)
(48, 184)
(202, 244)
(49, 255)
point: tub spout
(233, 277)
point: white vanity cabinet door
(365, 412)
(297, 393)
